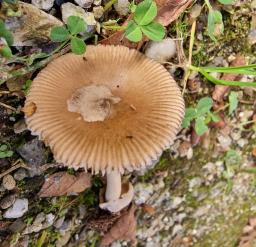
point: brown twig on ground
(8, 106)
(17, 164)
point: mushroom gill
(109, 110)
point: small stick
(17, 164)
(8, 106)
(4, 92)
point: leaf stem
(208, 4)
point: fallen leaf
(29, 109)
(220, 90)
(170, 10)
(62, 183)
(248, 238)
(118, 38)
(254, 151)
(148, 209)
(123, 229)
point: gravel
(18, 209)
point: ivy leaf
(190, 114)
(154, 31)
(215, 25)
(133, 32)
(200, 126)
(59, 34)
(226, 1)
(145, 12)
(77, 46)
(204, 105)
(6, 51)
(76, 24)
(233, 102)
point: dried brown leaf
(248, 238)
(148, 209)
(62, 183)
(123, 229)
(220, 90)
(29, 109)
(170, 10)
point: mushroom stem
(114, 186)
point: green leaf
(215, 25)
(3, 147)
(132, 6)
(6, 154)
(215, 118)
(190, 114)
(78, 46)
(6, 33)
(6, 51)
(204, 105)
(27, 86)
(233, 102)
(133, 32)
(200, 126)
(232, 158)
(59, 34)
(145, 12)
(154, 31)
(76, 24)
(226, 1)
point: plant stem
(191, 44)
(208, 4)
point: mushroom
(110, 110)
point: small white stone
(69, 9)
(18, 209)
(161, 51)
(122, 7)
(43, 4)
(176, 201)
(177, 229)
(84, 3)
(97, 2)
(8, 182)
(98, 12)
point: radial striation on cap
(109, 109)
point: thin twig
(8, 106)
(17, 164)
(4, 92)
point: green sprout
(75, 25)
(5, 152)
(215, 26)
(201, 114)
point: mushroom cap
(144, 104)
